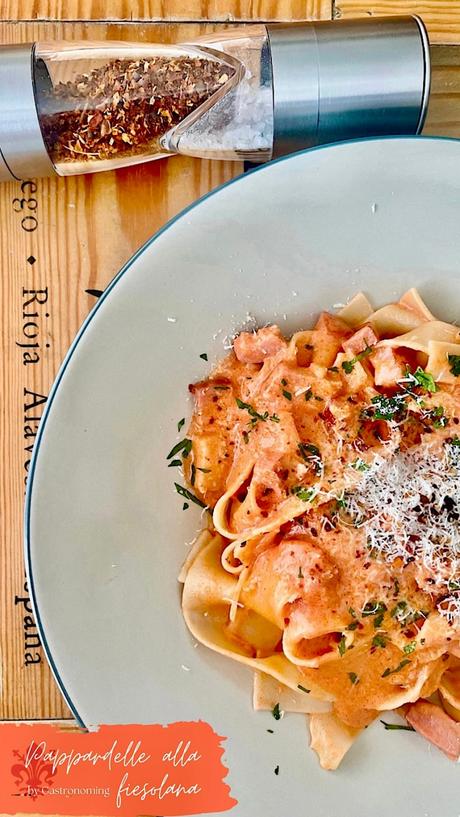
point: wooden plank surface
(88, 226)
(441, 17)
(166, 10)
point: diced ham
(360, 341)
(388, 366)
(436, 726)
(255, 347)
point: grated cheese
(409, 507)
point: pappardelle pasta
(330, 463)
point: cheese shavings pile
(409, 506)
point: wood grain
(443, 118)
(88, 226)
(441, 17)
(166, 10)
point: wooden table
(87, 227)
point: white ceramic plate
(105, 530)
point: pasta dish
(330, 564)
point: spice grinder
(251, 93)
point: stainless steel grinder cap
(22, 151)
(348, 79)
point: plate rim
(27, 536)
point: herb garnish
(311, 454)
(304, 689)
(184, 445)
(185, 506)
(348, 365)
(181, 423)
(353, 625)
(385, 408)
(255, 416)
(276, 712)
(308, 394)
(271, 731)
(395, 726)
(286, 394)
(437, 415)
(372, 608)
(353, 678)
(276, 769)
(192, 475)
(204, 356)
(305, 494)
(424, 379)
(400, 666)
(410, 647)
(188, 495)
(454, 361)
(342, 646)
(359, 465)
(174, 463)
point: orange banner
(117, 770)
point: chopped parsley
(425, 380)
(276, 712)
(378, 620)
(348, 365)
(308, 394)
(454, 441)
(454, 362)
(271, 731)
(410, 647)
(184, 445)
(255, 416)
(185, 506)
(284, 382)
(342, 646)
(192, 475)
(353, 625)
(311, 454)
(305, 494)
(359, 465)
(286, 394)
(181, 423)
(276, 769)
(204, 356)
(399, 610)
(353, 678)
(379, 641)
(174, 463)
(400, 666)
(188, 495)
(389, 726)
(307, 450)
(373, 608)
(437, 415)
(304, 689)
(385, 408)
